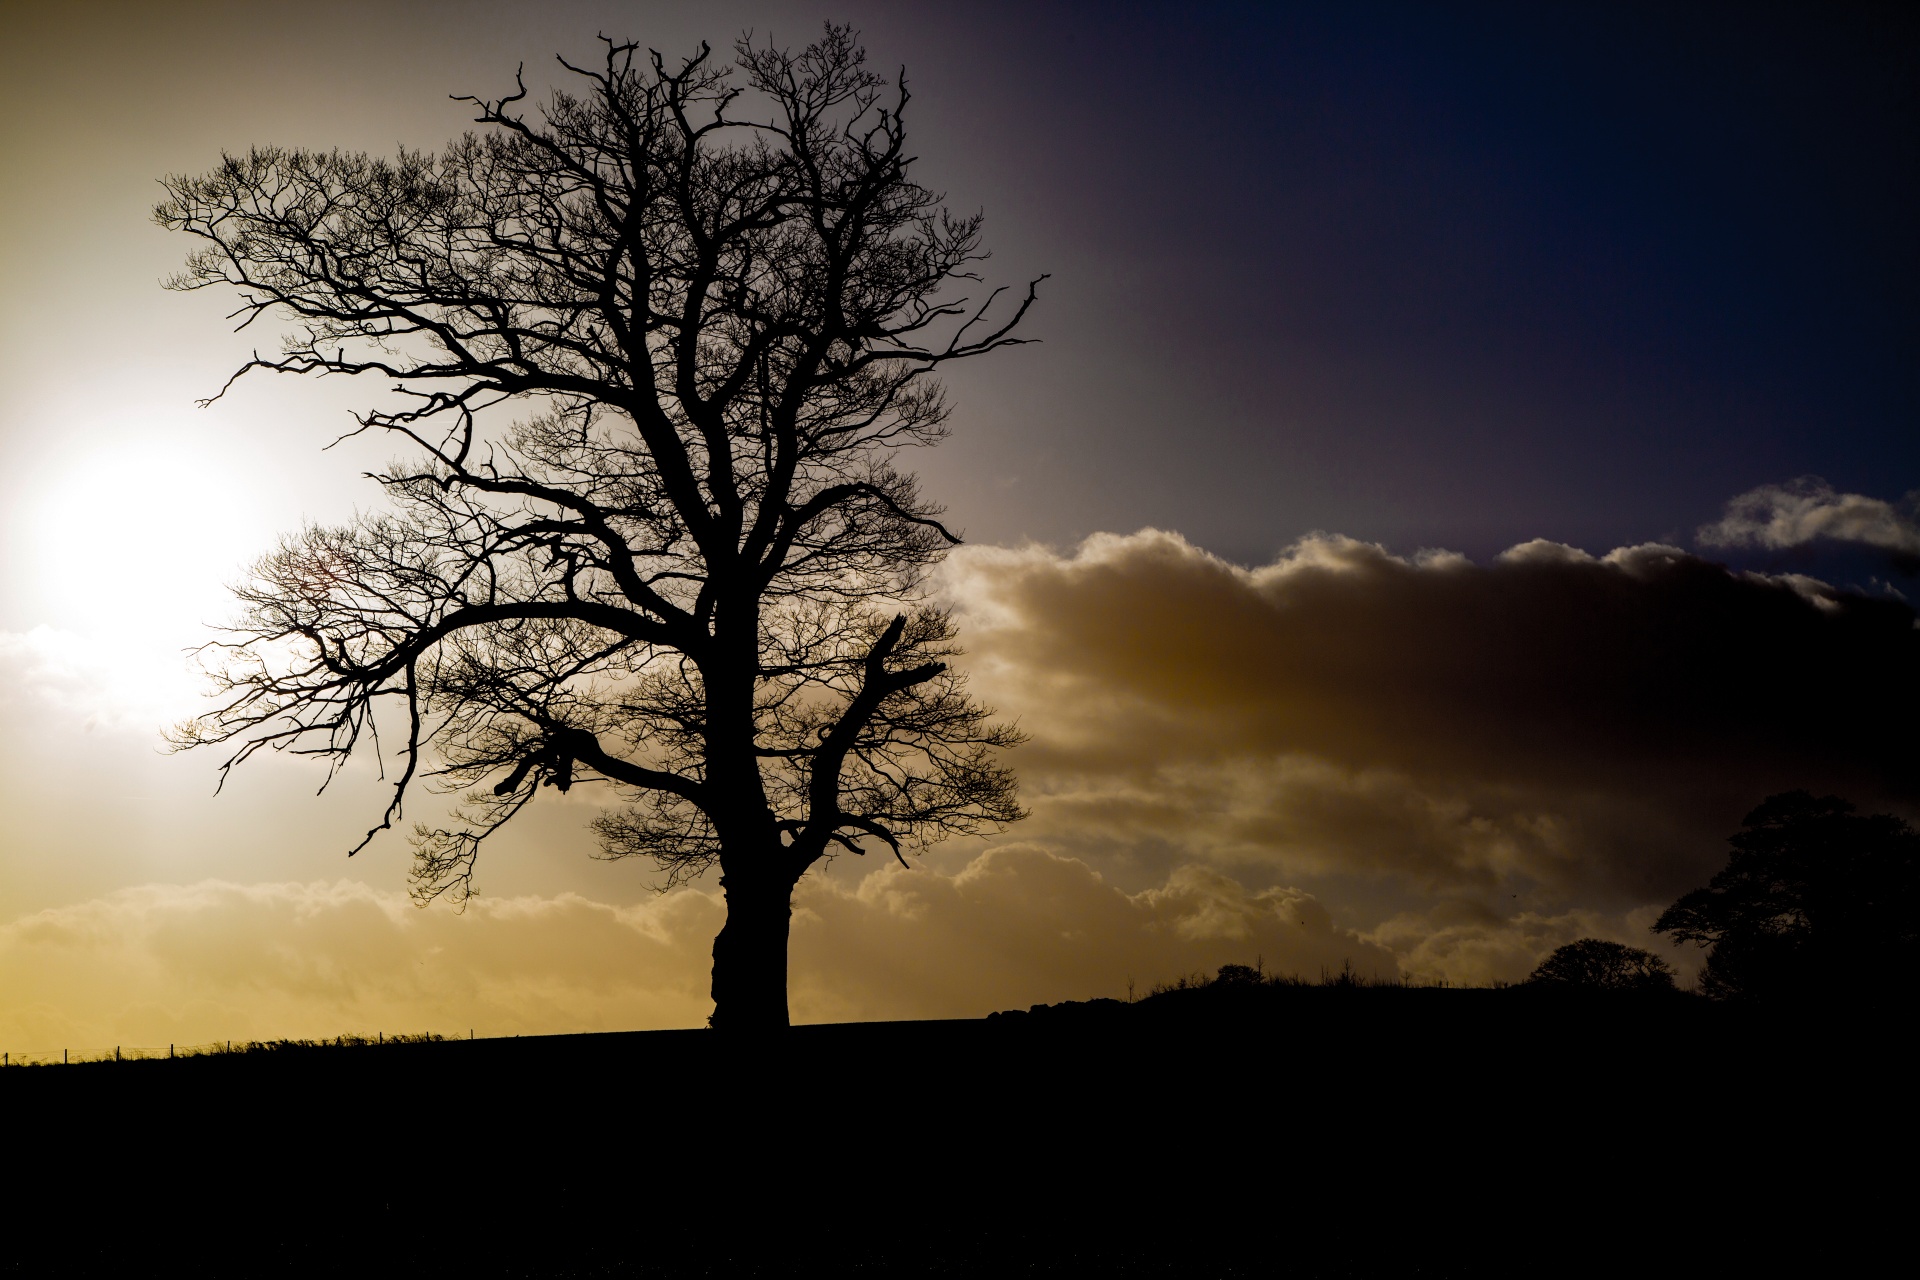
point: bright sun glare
(133, 552)
(136, 541)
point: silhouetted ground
(1314, 1132)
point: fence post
(116, 1053)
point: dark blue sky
(1454, 275)
(1448, 275)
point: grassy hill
(1220, 1129)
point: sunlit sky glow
(1333, 286)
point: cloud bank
(165, 964)
(1430, 745)
(1418, 765)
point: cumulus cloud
(165, 964)
(215, 960)
(1549, 732)
(1809, 510)
(1021, 924)
(1419, 765)
(1472, 946)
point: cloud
(1021, 925)
(165, 964)
(1808, 510)
(1418, 765)
(119, 684)
(1473, 948)
(1550, 732)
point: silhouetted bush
(1238, 975)
(1815, 902)
(1595, 964)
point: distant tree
(1815, 901)
(1239, 975)
(1596, 964)
(652, 363)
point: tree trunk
(750, 955)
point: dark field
(1287, 1132)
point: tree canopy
(1815, 901)
(1599, 965)
(650, 363)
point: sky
(1468, 461)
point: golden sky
(1324, 750)
(1419, 767)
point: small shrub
(1238, 975)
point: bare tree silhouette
(651, 363)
